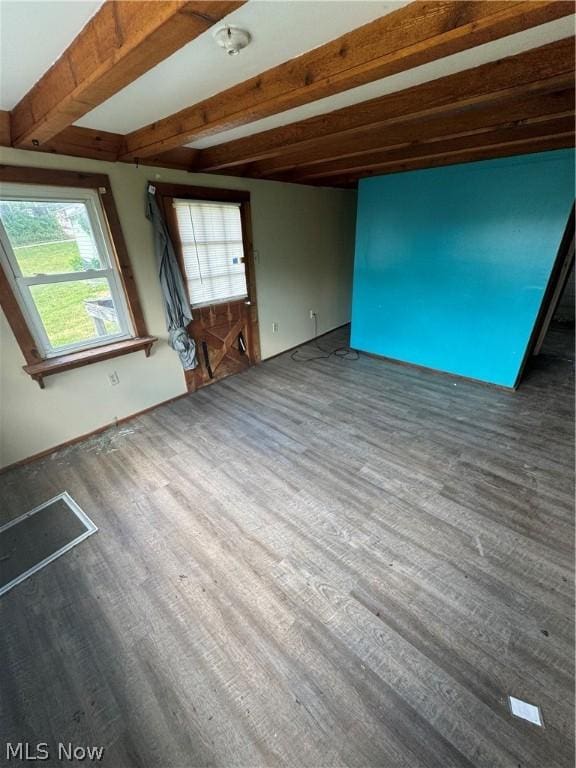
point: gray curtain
(176, 307)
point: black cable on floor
(344, 353)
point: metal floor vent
(38, 537)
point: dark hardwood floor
(327, 564)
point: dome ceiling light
(232, 39)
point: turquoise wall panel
(452, 263)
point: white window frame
(106, 253)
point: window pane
(50, 237)
(76, 310)
(217, 289)
(206, 260)
(212, 250)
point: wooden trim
(189, 192)
(99, 145)
(416, 34)
(564, 269)
(5, 135)
(181, 159)
(253, 325)
(88, 435)
(122, 41)
(84, 142)
(540, 70)
(50, 177)
(52, 365)
(16, 320)
(167, 209)
(100, 183)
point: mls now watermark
(24, 750)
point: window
(66, 285)
(212, 250)
(58, 255)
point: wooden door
(223, 341)
(226, 332)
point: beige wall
(303, 239)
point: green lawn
(61, 305)
(48, 258)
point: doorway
(553, 333)
(212, 236)
(559, 338)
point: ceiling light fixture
(232, 39)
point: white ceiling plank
(280, 30)
(482, 54)
(33, 34)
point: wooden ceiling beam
(181, 158)
(84, 142)
(413, 35)
(5, 135)
(545, 144)
(526, 135)
(98, 145)
(475, 121)
(122, 41)
(540, 70)
(102, 145)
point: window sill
(54, 365)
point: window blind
(212, 249)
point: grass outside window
(61, 305)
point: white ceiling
(33, 34)
(482, 54)
(280, 30)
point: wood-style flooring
(336, 563)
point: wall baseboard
(303, 343)
(88, 435)
(395, 361)
(437, 371)
(117, 422)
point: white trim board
(80, 514)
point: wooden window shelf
(53, 365)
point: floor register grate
(36, 538)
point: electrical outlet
(312, 314)
(113, 378)
(274, 327)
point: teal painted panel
(451, 264)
